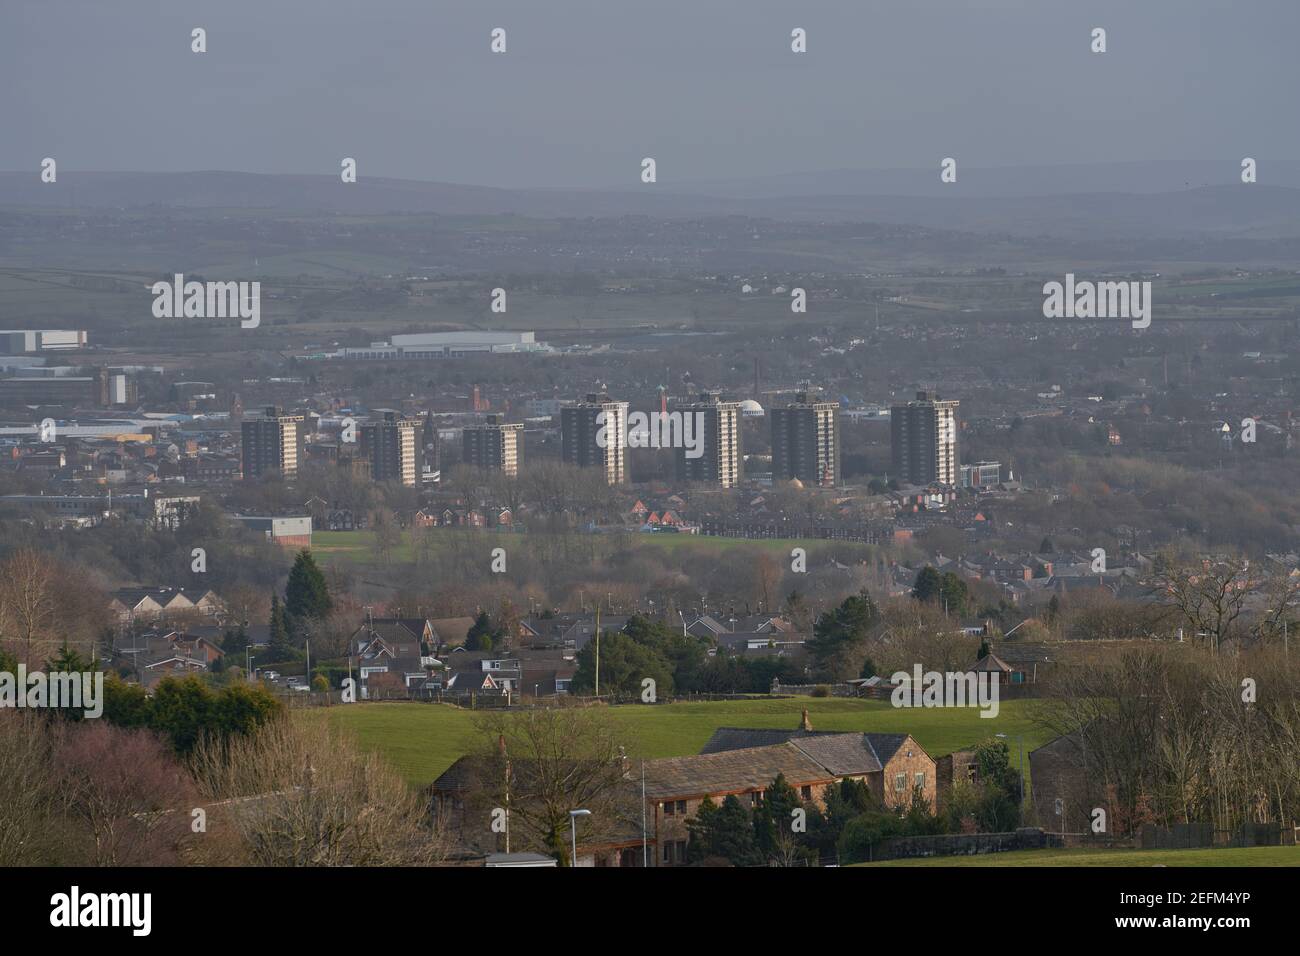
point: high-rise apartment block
(923, 434)
(494, 446)
(716, 425)
(272, 443)
(806, 441)
(391, 447)
(593, 434)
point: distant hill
(1007, 181)
(1222, 210)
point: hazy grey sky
(587, 88)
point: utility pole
(506, 754)
(597, 650)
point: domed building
(751, 409)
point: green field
(1235, 856)
(422, 740)
(357, 547)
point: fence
(961, 844)
(815, 690)
(301, 700)
(1185, 836)
(1193, 836)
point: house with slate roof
(743, 762)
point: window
(681, 851)
(681, 807)
(918, 781)
(805, 793)
(669, 808)
(900, 782)
(668, 852)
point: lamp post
(573, 831)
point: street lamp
(1021, 768)
(573, 830)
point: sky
(587, 88)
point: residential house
(153, 603)
(743, 762)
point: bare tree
(29, 596)
(245, 604)
(548, 761)
(1181, 734)
(1097, 615)
(1281, 594)
(28, 793)
(300, 793)
(128, 792)
(1209, 595)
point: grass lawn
(1235, 856)
(357, 547)
(422, 740)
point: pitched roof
(133, 596)
(710, 622)
(991, 663)
(735, 771)
(461, 775)
(390, 630)
(842, 755)
(1013, 652)
(886, 745)
(739, 738)
(415, 625)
